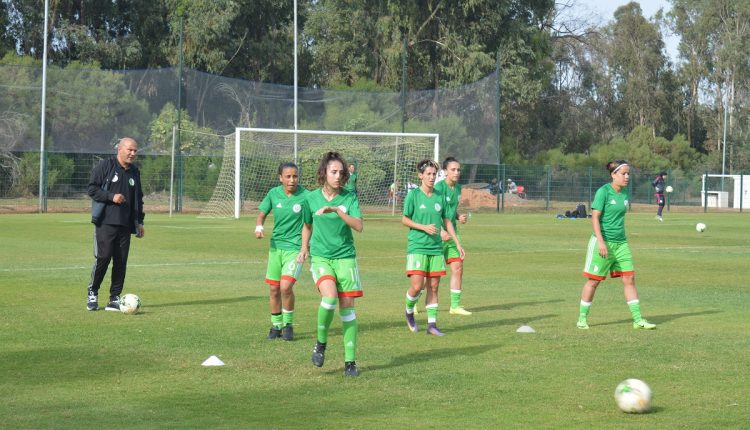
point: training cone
(525, 329)
(212, 361)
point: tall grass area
(201, 283)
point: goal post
(385, 163)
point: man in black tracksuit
(117, 212)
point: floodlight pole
(42, 154)
(295, 81)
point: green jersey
(613, 206)
(351, 184)
(452, 197)
(287, 217)
(424, 209)
(331, 236)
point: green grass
(201, 282)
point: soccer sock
(635, 309)
(287, 316)
(325, 315)
(350, 328)
(432, 311)
(276, 320)
(583, 310)
(455, 298)
(411, 302)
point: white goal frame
(237, 149)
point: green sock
(635, 310)
(350, 328)
(287, 316)
(432, 311)
(411, 302)
(583, 310)
(325, 315)
(455, 298)
(276, 320)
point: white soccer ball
(633, 396)
(130, 304)
(700, 227)
(669, 188)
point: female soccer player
(608, 250)
(285, 257)
(424, 212)
(330, 215)
(451, 191)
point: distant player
(351, 184)
(424, 212)
(451, 191)
(659, 184)
(331, 214)
(285, 257)
(608, 250)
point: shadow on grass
(513, 322)
(206, 302)
(431, 354)
(660, 319)
(509, 306)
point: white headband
(618, 167)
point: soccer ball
(700, 227)
(130, 304)
(633, 396)
(669, 188)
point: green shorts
(619, 261)
(282, 264)
(429, 266)
(450, 251)
(344, 272)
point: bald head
(127, 149)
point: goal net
(385, 165)
(725, 191)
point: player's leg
(660, 203)
(103, 244)
(595, 269)
(289, 275)
(415, 264)
(120, 253)
(435, 270)
(587, 297)
(349, 287)
(453, 259)
(273, 279)
(325, 280)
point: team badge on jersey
(115, 178)
(131, 182)
(343, 208)
(437, 207)
(297, 207)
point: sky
(604, 11)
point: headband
(618, 167)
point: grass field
(201, 284)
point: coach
(117, 212)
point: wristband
(259, 229)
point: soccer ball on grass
(130, 304)
(700, 227)
(633, 396)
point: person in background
(512, 188)
(451, 191)
(659, 184)
(351, 184)
(608, 250)
(286, 255)
(330, 215)
(115, 188)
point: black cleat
(319, 354)
(287, 333)
(274, 333)
(93, 300)
(350, 369)
(114, 304)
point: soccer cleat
(114, 304)
(659, 218)
(319, 354)
(643, 325)
(350, 369)
(274, 333)
(582, 324)
(433, 330)
(459, 311)
(93, 301)
(287, 333)
(411, 323)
